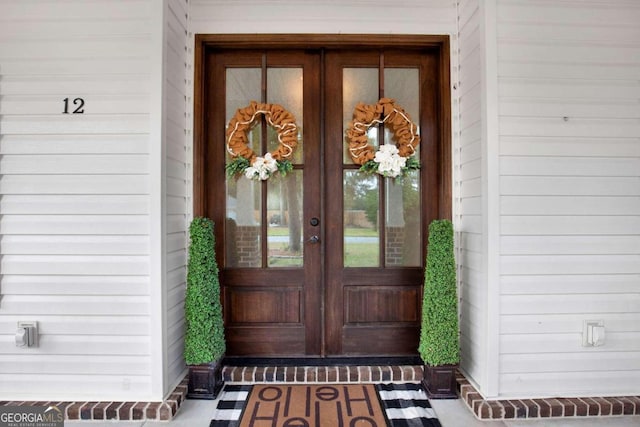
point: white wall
(478, 228)
(569, 114)
(323, 16)
(469, 218)
(75, 199)
(178, 201)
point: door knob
(314, 239)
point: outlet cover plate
(585, 331)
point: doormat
(324, 405)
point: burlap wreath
(405, 132)
(277, 117)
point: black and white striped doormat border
(405, 405)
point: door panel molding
(322, 41)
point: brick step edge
(118, 411)
(322, 374)
(569, 407)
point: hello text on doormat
(336, 405)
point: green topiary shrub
(204, 339)
(439, 336)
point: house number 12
(77, 102)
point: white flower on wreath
(390, 163)
(262, 167)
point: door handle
(313, 239)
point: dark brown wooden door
(270, 263)
(327, 261)
(374, 285)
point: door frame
(440, 43)
(437, 46)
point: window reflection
(243, 223)
(402, 223)
(358, 85)
(361, 220)
(284, 214)
(285, 87)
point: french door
(327, 260)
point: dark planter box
(440, 381)
(205, 381)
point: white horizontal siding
(78, 124)
(570, 245)
(75, 208)
(554, 146)
(594, 108)
(571, 303)
(36, 11)
(562, 384)
(570, 186)
(576, 367)
(548, 284)
(327, 16)
(565, 323)
(95, 387)
(65, 305)
(469, 209)
(176, 58)
(74, 285)
(569, 205)
(569, 225)
(80, 164)
(83, 325)
(570, 264)
(78, 264)
(77, 144)
(74, 184)
(40, 104)
(22, 204)
(74, 365)
(570, 127)
(569, 196)
(74, 224)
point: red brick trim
(545, 408)
(322, 374)
(120, 411)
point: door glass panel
(284, 235)
(243, 85)
(403, 85)
(402, 222)
(243, 216)
(246, 221)
(285, 88)
(358, 85)
(361, 218)
(243, 223)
